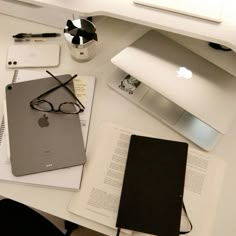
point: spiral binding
(3, 126)
(2, 130)
(15, 76)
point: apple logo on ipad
(184, 73)
(43, 121)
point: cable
(118, 232)
(181, 232)
(70, 227)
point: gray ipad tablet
(42, 141)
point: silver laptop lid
(190, 81)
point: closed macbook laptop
(42, 141)
(202, 93)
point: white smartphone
(33, 55)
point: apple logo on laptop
(185, 73)
(43, 121)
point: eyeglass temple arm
(55, 88)
(63, 84)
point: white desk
(108, 106)
(223, 33)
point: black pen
(43, 35)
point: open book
(99, 196)
(67, 178)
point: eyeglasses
(40, 104)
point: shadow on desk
(18, 219)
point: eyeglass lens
(69, 107)
(66, 107)
(42, 105)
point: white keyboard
(205, 9)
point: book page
(100, 192)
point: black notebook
(152, 193)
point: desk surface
(223, 33)
(55, 201)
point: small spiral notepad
(3, 126)
(67, 178)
